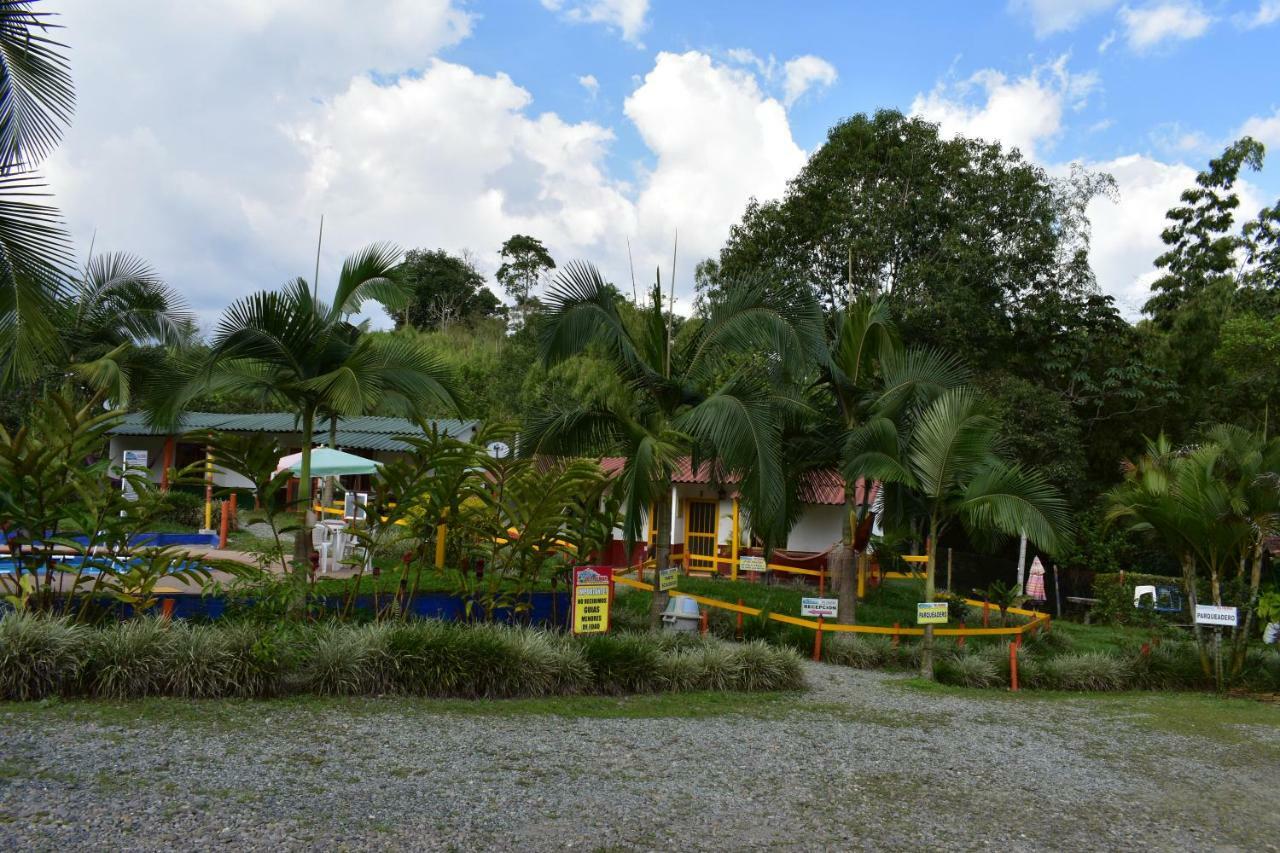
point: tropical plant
(117, 307)
(1003, 596)
(37, 98)
(290, 347)
(700, 394)
(939, 459)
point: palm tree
(863, 364)
(942, 456)
(291, 348)
(701, 394)
(36, 101)
(118, 307)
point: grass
(1223, 719)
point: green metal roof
(365, 433)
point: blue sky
(210, 137)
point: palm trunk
(662, 554)
(302, 539)
(843, 565)
(930, 575)
(329, 482)
(1189, 580)
(1215, 586)
(1241, 639)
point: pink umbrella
(1035, 583)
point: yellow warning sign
(591, 594)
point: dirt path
(861, 761)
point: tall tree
(525, 261)
(37, 98)
(939, 459)
(681, 399)
(290, 347)
(443, 289)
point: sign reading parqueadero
(592, 595)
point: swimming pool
(154, 540)
(72, 563)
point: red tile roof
(816, 487)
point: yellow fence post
(208, 488)
(442, 533)
(733, 548)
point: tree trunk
(1189, 579)
(1215, 585)
(662, 554)
(843, 566)
(930, 576)
(302, 538)
(1242, 636)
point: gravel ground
(858, 762)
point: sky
(210, 137)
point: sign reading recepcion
(1218, 617)
(592, 595)
(931, 613)
(823, 607)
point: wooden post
(817, 641)
(166, 608)
(960, 639)
(235, 508)
(704, 623)
(895, 635)
(1013, 667)
(948, 570)
(986, 615)
(733, 547)
(224, 523)
(862, 575)
(166, 462)
(822, 582)
(739, 620)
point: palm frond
(37, 96)
(370, 274)
(582, 310)
(1016, 501)
(35, 261)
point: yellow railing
(1037, 619)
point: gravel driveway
(860, 761)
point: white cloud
(1150, 26)
(590, 83)
(1126, 233)
(1268, 13)
(718, 140)
(1055, 16)
(626, 16)
(215, 157)
(1265, 129)
(1025, 112)
(803, 73)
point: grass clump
(39, 657)
(972, 670)
(445, 660)
(1094, 671)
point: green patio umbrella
(327, 462)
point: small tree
(940, 460)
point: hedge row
(42, 657)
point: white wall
(817, 529)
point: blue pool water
(156, 540)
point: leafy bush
(130, 660)
(185, 509)
(157, 657)
(972, 670)
(1083, 671)
(39, 656)
(1168, 666)
(1115, 597)
(862, 652)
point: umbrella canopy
(327, 462)
(1035, 583)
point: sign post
(592, 595)
(822, 608)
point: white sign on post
(755, 565)
(1219, 617)
(825, 607)
(135, 463)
